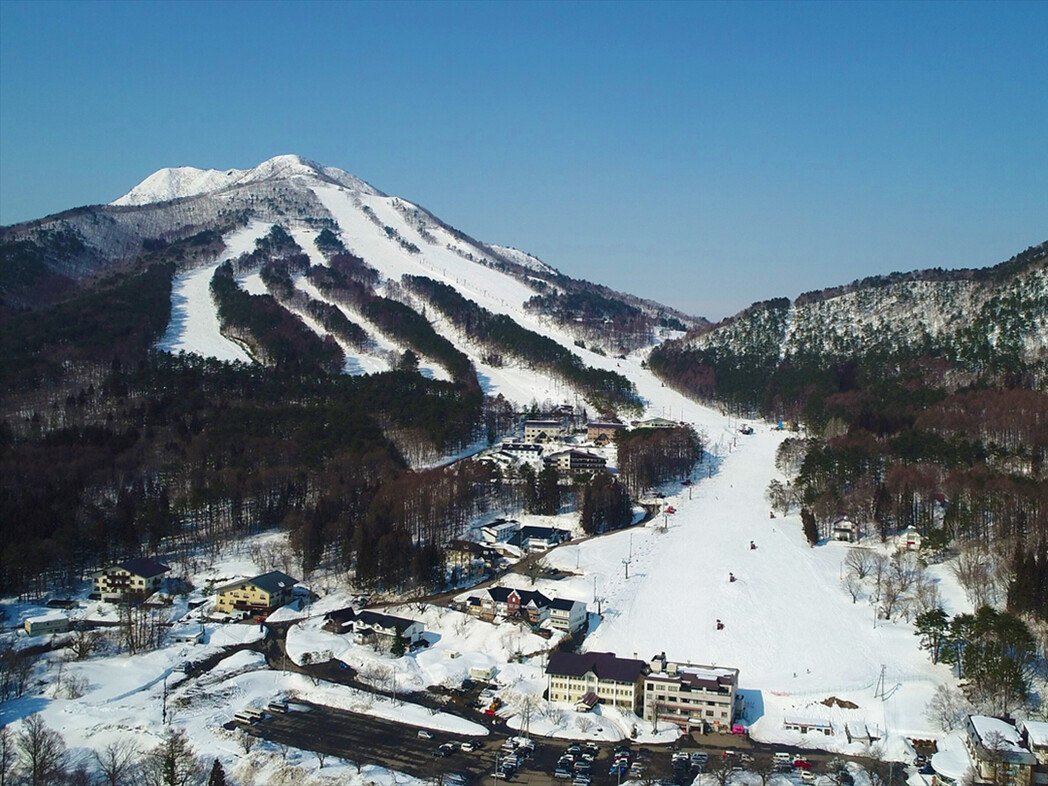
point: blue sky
(705, 155)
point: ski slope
(789, 625)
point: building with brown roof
(616, 681)
(691, 695)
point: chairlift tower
(879, 690)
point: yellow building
(258, 596)
(615, 681)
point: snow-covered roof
(985, 724)
(1036, 733)
(51, 616)
(951, 760)
(801, 720)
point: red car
(801, 764)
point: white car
(468, 746)
(425, 735)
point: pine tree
(811, 530)
(399, 646)
(932, 626)
(218, 775)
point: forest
(110, 449)
(606, 390)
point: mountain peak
(186, 181)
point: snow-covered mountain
(967, 316)
(291, 206)
(186, 181)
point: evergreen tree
(548, 492)
(811, 529)
(399, 646)
(932, 626)
(218, 775)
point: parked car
(425, 735)
(467, 746)
(801, 764)
(562, 772)
(807, 776)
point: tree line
(608, 391)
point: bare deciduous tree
(859, 561)
(41, 753)
(853, 586)
(947, 708)
(7, 756)
(118, 762)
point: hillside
(287, 357)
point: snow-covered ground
(790, 627)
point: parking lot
(369, 740)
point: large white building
(615, 681)
(691, 695)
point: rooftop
(605, 665)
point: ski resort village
(632, 589)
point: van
(781, 757)
(245, 718)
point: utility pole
(163, 712)
(626, 563)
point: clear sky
(705, 155)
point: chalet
(616, 681)
(532, 538)
(997, 752)
(258, 596)
(522, 449)
(508, 602)
(499, 531)
(602, 432)
(538, 431)
(575, 461)
(909, 539)
(567, 615)
(691, 695)
(846, 530)
(133, 579)
(46, 624)
(468, 559)
(372, 626)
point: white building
(499, 531)
(691, 695)
(567, 615)
(46, 624)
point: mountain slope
(982, 324)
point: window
(709, 713)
